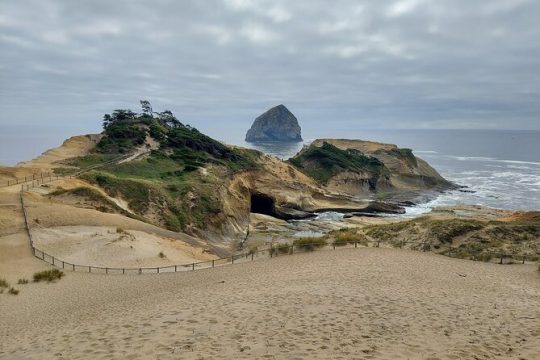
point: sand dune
(108, 246)
(343, 304)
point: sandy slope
(74, 146)
(347, 304)
(105, 246)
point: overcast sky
(377, 64)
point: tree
(122, 115)
(106, 120)
(147, 108)
(167, 118)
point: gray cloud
(383, 64)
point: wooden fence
(274, 250)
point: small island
(277, 125)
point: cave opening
(262, 204)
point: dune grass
(48, 275)
(310, 243)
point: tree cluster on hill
(166, 118)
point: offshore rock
(277, 124)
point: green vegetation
(89, 160)
(469, 239)
(347, 236)
(409, 156)
(165, 181)
(48, 275)
(446, 230)
(161, 255)
(13, 291)
(309, 243)
(281, 248)
(22, 281)
(322, 163)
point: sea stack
(277, 124)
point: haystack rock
(277, 124)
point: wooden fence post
(251, 257)
(501, 259)
(73, 265)
(523, 259)
(232, 259)
(175, 268)
(334, 246)
(213, 263)
(193, 266)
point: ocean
(500, 167)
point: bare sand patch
(108, 246)
(343, 304)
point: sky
(407, 64)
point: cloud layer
(382, 64)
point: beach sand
(361, 303)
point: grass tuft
(48, 275)
(22, 281)
(309, 243)
(13, 291)
(4, 283)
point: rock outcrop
(356, 167)
(277, 124)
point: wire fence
(274, 250)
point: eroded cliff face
(277, 189)
(404, 171)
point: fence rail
(275, 250)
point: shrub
(13, 291)
(48, 275)
(281, 249)
(22, 281)
(486, 257)
(349, 236)
(161, 255)
(322, 163)
(309, 243)
(3, 283)
(119, 230)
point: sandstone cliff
(357, 167)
